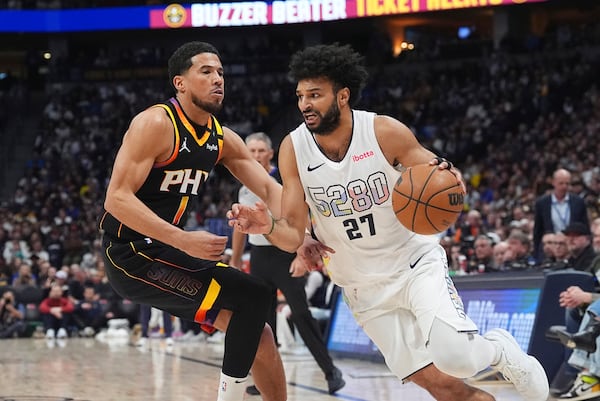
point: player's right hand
(250, 219)
(203, 245)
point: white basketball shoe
(522, 370)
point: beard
(329, 121)
(212, 108)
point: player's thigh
(171, 280)
(431, 294)
(400, 341)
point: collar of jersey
(190, 127)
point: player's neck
(335, 144)
(193, 112)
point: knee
(455, 355)
(456, 364)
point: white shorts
(397, 313)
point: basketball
(427, 200)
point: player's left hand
(250, 219)
(312, 252)
(444, 164)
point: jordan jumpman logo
(184, 146)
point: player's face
(317, 102)
(204, 82)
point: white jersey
(247, 197)
(351, 207)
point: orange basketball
(427, 200)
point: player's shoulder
(152, 117)
(386, 126)
(383, 121)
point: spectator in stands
(55, 247)
(520, 257)
(145, 315)
(16, 248)
(457, 262)
(24, 277)
(56, 311)
(553, 257)
(575, 301)
(61, 279)
(560, 253)
(483, 258)
(73, 246)
(581, 252)
(561, 248)
(555, 211)
(47, 278)
(37, 250)
(12, 322)
(585, 358)
(191, 331)
(88, 314)
(77, 280)
(465, 235)
(548, 245)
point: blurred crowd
(509, 120)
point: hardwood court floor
(80, 369)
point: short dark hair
(338, 63)
(181, 59)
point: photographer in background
(12, 323)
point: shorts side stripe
(209, 300)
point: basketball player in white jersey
(343, 164)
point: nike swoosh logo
(412, 265)
(309, 168)
(240, 381)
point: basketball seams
(419, 200)
(418, 208)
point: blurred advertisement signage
(248, 13)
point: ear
(344, 96)
(178, 83)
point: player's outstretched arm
(286, 229)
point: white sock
(231, 388)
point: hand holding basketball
(427, 199)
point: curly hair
(181, 59)
(338, 63)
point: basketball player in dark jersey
(166, 155)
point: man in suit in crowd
(556, 210)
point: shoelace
(514, 374)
